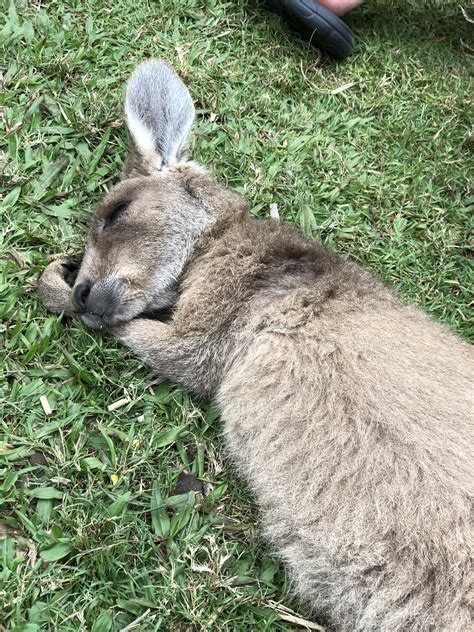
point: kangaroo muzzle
(98, 302)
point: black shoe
(317, 24)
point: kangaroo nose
(81, 294)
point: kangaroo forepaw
(56, 283)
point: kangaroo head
(145, 229)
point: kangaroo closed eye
(115, 214)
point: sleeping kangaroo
(348, 412)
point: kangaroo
(347, 411)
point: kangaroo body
(348, 412)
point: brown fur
(348, 412)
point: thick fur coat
(348, 412)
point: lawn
(371, 155)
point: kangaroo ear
(160, 113)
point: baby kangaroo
(348, 412)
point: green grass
(94, 535)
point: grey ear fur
(159, 112)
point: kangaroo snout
(98, 303)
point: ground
(371, 155)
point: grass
(372, 155)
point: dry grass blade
(134, 624)
(119, 404)
(466, 17)
(343, 88)
(45, 405)
(274, 214)
(304, 623)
